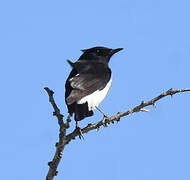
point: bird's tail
(81, 111)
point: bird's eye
(98, 52)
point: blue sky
(36, 38)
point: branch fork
(65, 138)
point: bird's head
(99, 53)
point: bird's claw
(78, 130)
(105, 121)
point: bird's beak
(83, 50)
(113, 51)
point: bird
(88, 81)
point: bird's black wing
(86, 82)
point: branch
(64, 139)
(62, 134)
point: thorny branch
(65, 138)
(62, 134)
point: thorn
(50, 164)
(171, 91)
(142, 102)
(118, 119)
(56, 144)
(56, 173)
(89, 124)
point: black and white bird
(88, 82)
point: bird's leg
(78, 129)
(105, 116)
(101, 111)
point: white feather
(96, 97)
(73, 77)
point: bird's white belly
(96, 97)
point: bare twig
(64, 138)
(62, 134)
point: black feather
(89, 74)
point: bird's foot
(105, 121)
(78, 130)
